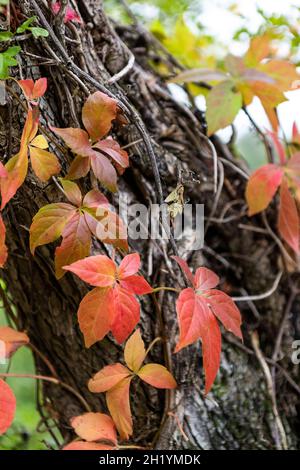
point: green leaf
(223, 103)
(39, 32)
(25, 26)
(6, 36)
(7, 59)
(4, 2)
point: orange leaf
(108, 377)
(288, 218)
(76, 243)
(157, 376)
(104, 170)
(95, 427)
(7, 406)
(97, 270)
(135, 352)
(126, 314)
(12, 339)
(79, 168)
(33, 90)
(95, 313)
(98, 113)
(72, 192)
(44, 164)
(111, 148)
(117, 399)
(259, 49)
(76, 139)
(16, 169)
(262, 187)
(49, 223)
(3, 247)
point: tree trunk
(239, 412)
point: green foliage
(8, 59)
(36, 31)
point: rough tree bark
(238, 414)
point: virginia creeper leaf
(95, 427)
(117, 399)
(7, 406)
(262, 187)
(98, 113)
(223, 104)
(157, 376)
(288, 218)
(135, 352)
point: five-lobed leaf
(112, 306)
(197, 308)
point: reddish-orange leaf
(76, 243)
(3, 171)
(76, 139)
(117, 399)
(196, 310)
(98, 113)
(3, 247)
(33, 90)
(95, 427)
(135, 352)
(126, 314)
(44, 164)
(262, 187)
(259, 49)
(205, 279)
(292, 169)
(129, 265)
(94, 199)
(82, 445)
(225, 310)
(49, 223)
(108, 377)
(79, 168)
(98, 270)
(157, 376)
(288, 218)
(12, 340)
(110, 147)
(184, 267)
(95, 314)
(136, 285)
(72, 192)
(7, 406)
(282, 71)
(16, 169)
(104, 170)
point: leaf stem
(172, 289)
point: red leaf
(95, 427)
(76, 243)
(185, 268)
(107, 378)
(3, 171)
(12, 340)
(117, 399)
(33, 90)
(157, 376)
(205, 279)
(95, 199)
(110, 147)
(225, 310)
(126, 314)
(7, 406)
(98, 113)
(288, 219)
(76, 139)
(71, 15)
(112, 306)
(3, 247)
(104, 171)
(16, 169)
(82, 445)
(262, 187)
(95, 313)
(129, 265)
(98, 270)
(196, 310)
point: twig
(115, 78)
(270, 388)
(261, 296)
